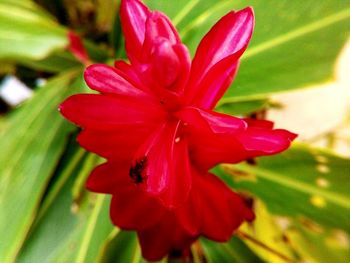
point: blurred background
(322, 110)
(296, 72)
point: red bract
(153, 121)
(76, 47)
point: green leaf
(300, 182)
(121, 247)
(233, 251)
(96, 231)
(242, 108)
(80, 226)
(115, 37)
(27, 31)
(28, 5)
(54, 63)
(318, 244)
(33, 138)
(269, 242)
(55, 210)
(294, 45)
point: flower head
(153, 120)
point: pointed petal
(228, 38)
(215, 83)
(102, 112)
(230, 35)
(165, 165)
(77, 48)
(106, 79)
(133, 16)
(218, 138)
(262, 141)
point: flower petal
(167, 72)
(130, 74)
(165, 65)
(170, 66)
(212, 208)
(102, 112)
(158, 26)
(215, 83)
(163, 238)
(106, 177)
(211, 121)
(212, 137)
(260, 141)
(210, 149)
(162, 164)
(221, 209)
(130, 206)
(77, 48)
(118, 144)
(133, 209)
(223, 139)
(133, 14)
(165, 60)
(185, 62)
(155, 243)
(107, 79)
(229, 37)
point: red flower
(153, 121)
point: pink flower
(153, 121)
